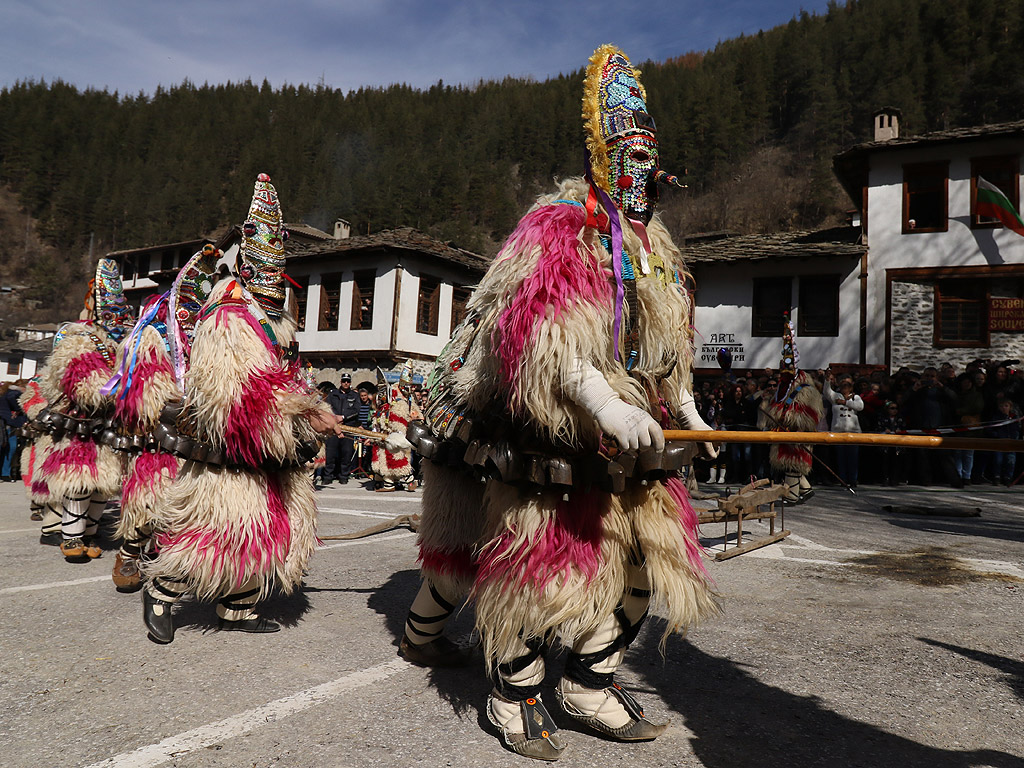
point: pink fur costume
(75, 372)
(221, 527)
(539, 564)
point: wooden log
(752, 498)
(360, 432)
(729, 516)
(847, 438)
(751, 545)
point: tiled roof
(194, 244)
(403, 238)
(719, 247)
(34, 345)
(851, 165)
(990, 131)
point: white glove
(690, 419)
(632, 427)
(396, 442)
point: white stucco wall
(723, 316)
(377, 337)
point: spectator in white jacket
(845, 407)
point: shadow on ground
(463, 688)
(1013, 668)
(286, 610)
(738, 720)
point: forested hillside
(755, 123)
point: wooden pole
(360, 432)
(847, 438)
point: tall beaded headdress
(614, 106)
(190, 290)
(109, 307)
(790, 355)
(261, 257)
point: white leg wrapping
(238, 606)
(75, 517)
(165, 590)
(792, 483)
(805, 484)
(578, 699)
(713, 476)
(97, 504)
(428, 614)
(52, 518)
(507, 715)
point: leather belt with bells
(510, 463)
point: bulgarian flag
(992, 202)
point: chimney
(342, 229)
(887, 124)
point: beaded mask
(261, 257)
(189, 292)
(620, 133)
(110, 310)
(633, 161)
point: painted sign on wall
(1006, 315)
(715, 342)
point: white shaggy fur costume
(577, 339)
(233, 531)
(541, 566)
(78, 470)
(41, 501)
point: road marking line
(21, 530)
(52, 584)
(364, 495)
(368, 539)
(356, 512)
(245, 722)
(31, 587)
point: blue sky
(135, 45)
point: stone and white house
(361, 302)
(942, 283)
(23, 357)
(918, 279)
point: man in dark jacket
(931, 405)
(346, 405)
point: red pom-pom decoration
(263, 177)
(625, 182)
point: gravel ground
(868, 638)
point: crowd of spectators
(12, 418)
(985, 399)
(349, 458)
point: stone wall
(912, 333)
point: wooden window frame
(807, 282)
(328, 284)
(460, 297)
(356, 317)
(978, 167)
(301, 294)
(923, 168)
(428, 308)
(938, 341)
(755, 315)
(20, 360)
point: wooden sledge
(754, 501)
